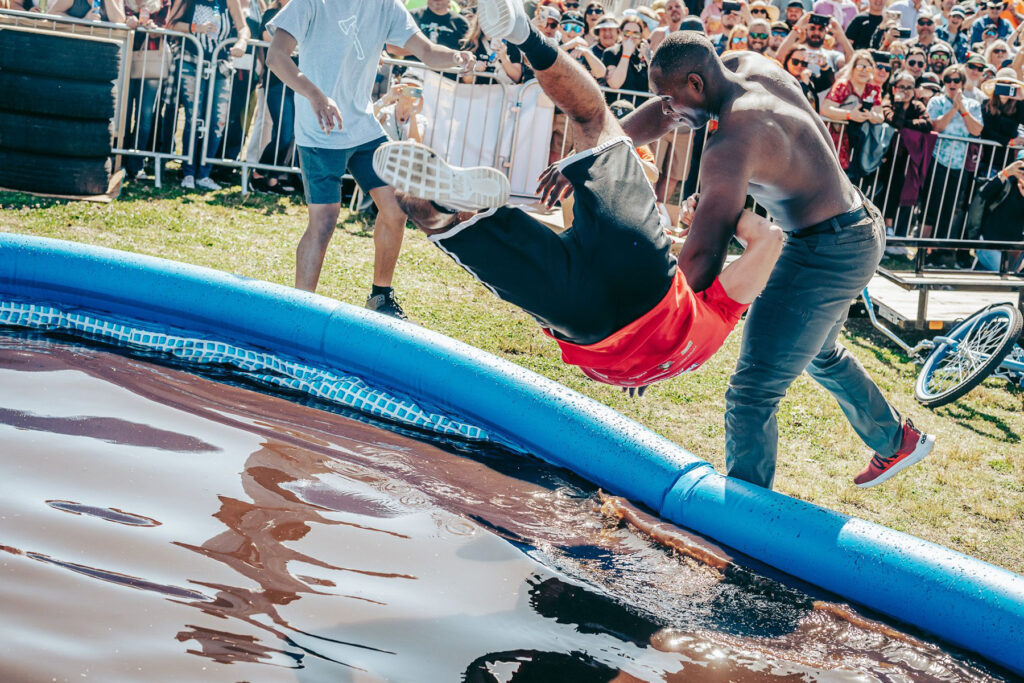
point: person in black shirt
(441, 26)
(627, 62)
(863, 26)
(1001, 216)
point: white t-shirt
(340, 42)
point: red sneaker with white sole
(916, 445)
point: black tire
(989, 334)
(54, 175)
(27, 94)
(55, 136)
(45, 55)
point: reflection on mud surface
(156, 525)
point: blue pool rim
(962, 600)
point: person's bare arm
(279, 60)
(724, 176)
(842, 42)
(649, 122)
(115, 11)
(241, 27)
(438, 56)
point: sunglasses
(883, 67)
(759, 36)
(573, 27)
(925, 22)
(948, 80)
(780, 34)
(915, 62)
(552, 23)
(903, 87)
(799, 62)
(762, 12)
(975, 67)
(595, 10)
(737, 40)
(999, 51)
(631, 34)
(571, 5)
(939, 57)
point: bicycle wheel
(974, 349)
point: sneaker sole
(917, 456)
(418, 171)
(496, 17)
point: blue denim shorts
(323, 168)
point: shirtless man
(770, 144)
(608, 289)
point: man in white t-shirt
(340, 44)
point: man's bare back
(795, 174)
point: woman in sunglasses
(493, 56)
(592, 14)
(854, 98)
(1002, 114)
(796, 65)
(738, 40)
(953, 116)
(908, 114)
(997, 52)
(627, 62)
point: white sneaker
(207, 184)
(189, 182)
(417, 170)
(503, 19)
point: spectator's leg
(309, 256)
(133, 138)
(388, 230)
(218, 118)
(191, 94)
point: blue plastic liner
(962, 600)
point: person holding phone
(908, 9)
(854, 99)
(823, 63)
(627, 62)
(956, 33)
(1001, 204)
(989, 19)
(1002, 114)
(494, 56)
(400, 111)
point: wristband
(192, 27)
(847, 116)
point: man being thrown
(608, 290)
(770, 144)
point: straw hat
(1005, 76)
(772, 10)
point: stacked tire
(57, 112)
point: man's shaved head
(683, 52)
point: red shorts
(678, 335)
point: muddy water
(156, 525)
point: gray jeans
(793, 326)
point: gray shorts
(323, 168)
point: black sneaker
(387, 304)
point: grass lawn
(968, 495)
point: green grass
(969, 494)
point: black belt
(834, 224)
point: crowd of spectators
(883, 75)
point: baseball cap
(780, 26)
(795, 3)
(975, 59)
(573, 18)
(957, 9)
(547, 13)
(940, 47)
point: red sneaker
(914, 448)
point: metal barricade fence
(673, 153)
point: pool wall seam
(965, 601)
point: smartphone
(1005, 90)
(728, 7)
(819, 19)
(413, 91)
(865, 105)
(893, 14)
(904, 34)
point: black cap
(691, 24)
(795, 3)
